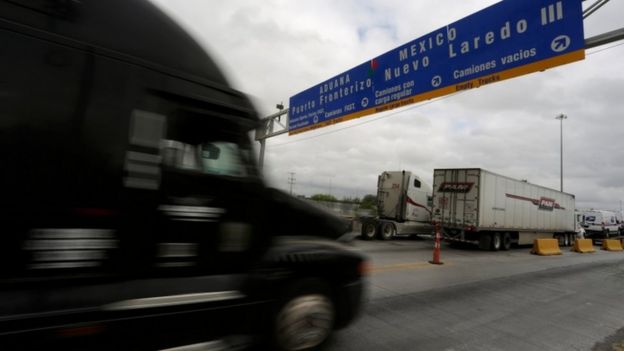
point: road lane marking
(403, 266)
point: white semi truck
(403, 206)
(476, 206)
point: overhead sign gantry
(506, 40)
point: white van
(600, 223)
(620, 219)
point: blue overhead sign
(505, 40)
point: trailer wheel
(506, 244)
(386, 230)
(496, 242)
(369, 230)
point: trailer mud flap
(485, 241)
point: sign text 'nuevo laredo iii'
(505, 40)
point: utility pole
(291, 181)
(561, 117)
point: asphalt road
(481, 300)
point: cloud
(275, 48)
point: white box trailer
(477, 206)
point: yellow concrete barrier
(583, 246)
(546, 247)
(612, 245)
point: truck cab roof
(130, 30)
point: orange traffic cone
(436, 245)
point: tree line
(366, 202)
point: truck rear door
(455, 197)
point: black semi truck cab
(132, 213)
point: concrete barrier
(612, 245)
(546, 247)
(583, 246)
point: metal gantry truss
(593, 7)
(273, 125)
(604, 38)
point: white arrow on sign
(560, 43)
(364, 102)
(436, 81)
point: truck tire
(506, 244)
(496, 242)
(305, 317)
(369, 230)
(386, 231)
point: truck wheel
(386, 231)
(369, 230)
(306, 316)
(506, 244)
(567, 240)
(496, 242)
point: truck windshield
(223, 158)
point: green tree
(351, 200)
(369, 202)
(323, 197)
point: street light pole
(561, 117)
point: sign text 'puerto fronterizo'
(505, 40)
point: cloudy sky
(273, 49)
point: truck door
(418, 199)
(210, 206)
(190, 193)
